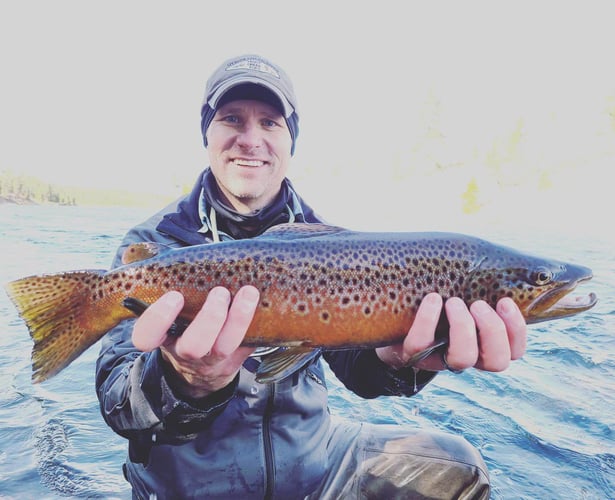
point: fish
(321, 288)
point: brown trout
(321, 287)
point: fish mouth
(558, 303)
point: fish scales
(320, 287)
(317, 292)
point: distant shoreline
(125, 200)
(17, 200)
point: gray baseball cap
(251, 69)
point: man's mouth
(243, 162)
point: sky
(401, 103)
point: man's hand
(207, 356)
(479, 336)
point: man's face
(249, 152)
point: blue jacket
(248, 440)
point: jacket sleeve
(136, 394)
(362, 372)
(136, 397)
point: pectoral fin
(421, 355)
(284, 362)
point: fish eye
(542, 276)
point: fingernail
(455, 304)
(433, 299)
(504, 307)
(249, 298)
(250, 294)
(219, 294)
(173, 299)
(480, 307)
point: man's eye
(269, 123)
(230, 119)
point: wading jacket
(248, 440)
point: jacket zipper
(269, 466)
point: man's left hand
(479, 336)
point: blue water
(545, 426)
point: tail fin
(55, 308)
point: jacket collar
(191, 223)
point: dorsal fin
(297, 230)
(143, 250)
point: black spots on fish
(325, 317)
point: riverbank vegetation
(30, 190)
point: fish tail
(55, 308)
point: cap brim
(239, 80)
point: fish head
(540, 287)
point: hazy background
(430, 115)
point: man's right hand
(207, 356)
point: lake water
(545, 426)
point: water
(545, 426)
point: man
(198, 424)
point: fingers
(218, 330)
(463, 347)
(516, 327)
(150, 329)
(423, 329)
(479, 336)
(493, 344)
(200, 335)
(237, 322)
(420, 336)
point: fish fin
(421, 355)
(284, 362)
(143, 250)
(55, 310)
(298, 230)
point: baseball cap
(251, 69)
(250, 77)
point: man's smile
(244, 162)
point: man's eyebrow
(230, 108)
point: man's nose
(250, 136)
